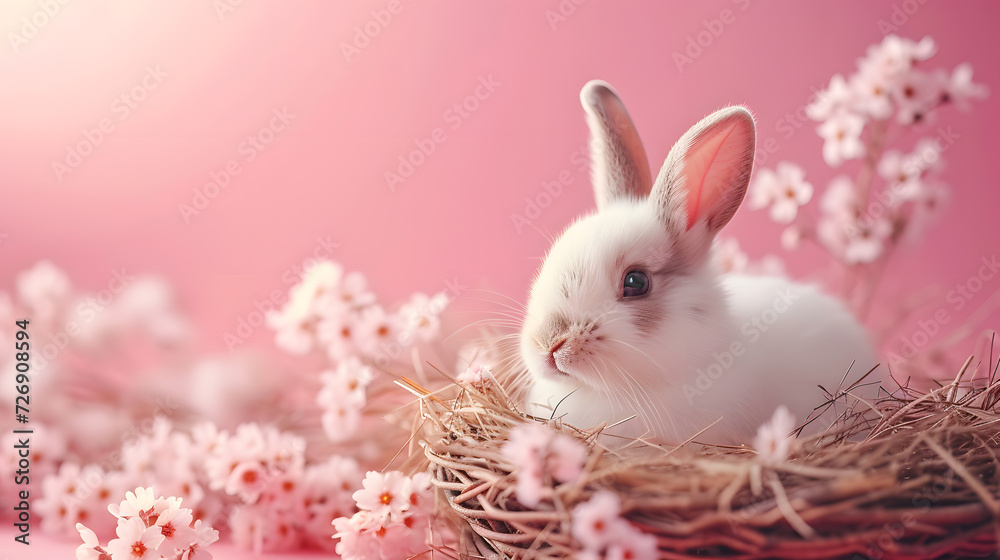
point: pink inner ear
(703, 193)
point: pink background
(323, 175)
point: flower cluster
(890, 80)
(150, 528)
(343, 397)
(393, 519)
(334, 311)
(542, 456)
(110, 349)
(895, 195)
(602, 532)
(729, 258)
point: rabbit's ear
(706, 174)
(619, 167)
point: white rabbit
(627, 315)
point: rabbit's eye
(636, 284)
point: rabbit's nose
(559, 344)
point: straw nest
(914, 475)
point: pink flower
(387, 495)
(91, 548)
(319, 306)
(842, 138)
(638, 546)
(896, 169)
(361, 539)
(343, 398)
(378, 331)
(791, 237)
(60, 507)
(872, 94)
(596, 522)
(175, 526)
(333, 481)
(915, 94)
(420, 316)
(357, 541)
(474, 374)
(784, 189)
(136, 504)
(538, 450)
(354, 291)
(346, 383)
(837, 97)
(927, 207)
(960, 89)
(894, 55)
(135, 541)
(840, 198)
(728, 257)
(773, 442)
(768, 265)
(341, 420)
(866, 240)
(247, 480)
(204, 536)
(44, 289)
(339, 334)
